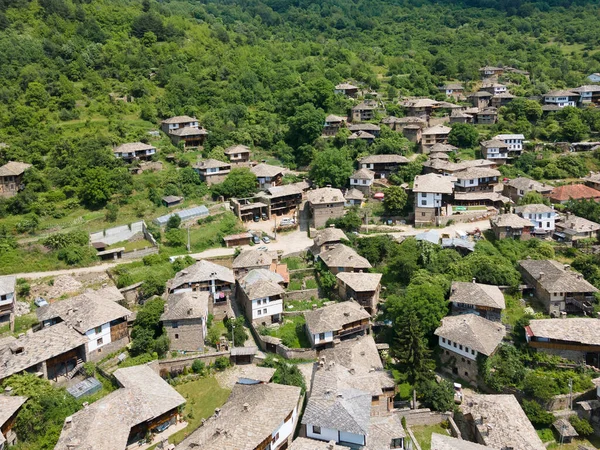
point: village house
(143, 405)
(238, 154)
(421, 107)
(327, 238)
(364, 111)
(494, 88)
(498, 421)
(561, 98)
(351, 399)
(325, 203)
(500, 100)
(495, 150)
(514, 142)
(302, 443)
(362, 180)
(368, 127)
(248, 260)
(206, 276)
(251, 208)
(282, 200)
(543, 218)
(575, 339)
(11, 178)
(517, 188)
(455, 90)
(177, 122)
(134, 151)
(53, 353)
(341, 258)
(184, 129)
(592, 180)
(476, 178)
(450, 168)
(333, 124)
(9, 408)
(185, 320)
(382, 165)
(354, 197)
(484, 300)
(95, 315)
(461, 117)
(588, 94)
(260, 293)
(572, 228)
(434, 135)
(346, 89)
(361, 287)
(462, 338)
(212, 171)
(557, 288)
(430, 191)
(362, 135)
(267, 176)
(511, 226)
(256, 416)
(442, 148)
(480, 99)
(329, 325)
(562, 194)
(400, 124)
(491, 71)
(8, 297)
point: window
(468, 362)
(547, 224)
(454, 344)
(471, 181)
(176, 336)
(463, 359)
(375, 399)
(444, 340)
(460, 347)
(265, 311)
(99, 342)
(472, 352)
(175, 324)
(397, 443)
(276, 437)
(321, 336)
(447, 352)
(423, 214)
(98, 330)
(423, 202)
(466, 374)
(316, 429)
(424, 194)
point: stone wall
(423, 416)
(134, 254)
(176, 365)
(304, 294)
(271, 344)
(459, 365)
(111, 347)
(187, 336)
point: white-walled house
(543, 217)
(362, 180)
(260, 293)
(514, 141)
(561, 98)
(331, 323)
(429, 193)
(8, 297)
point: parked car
(266, 239)
(264, 216)
(256, 239)
(286, 222)
(256, 219)
(263, 248)
(39, 302)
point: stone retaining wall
(304, 294)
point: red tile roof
(574, 191)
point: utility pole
(232, 336)
(188, 240)
(570, 393)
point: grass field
(291, 332)
(202, 397)
(423, 434)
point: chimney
(217, 412)
(540, 275)
(246, 407)
(474, 280)
(190, 311)
(68, 422)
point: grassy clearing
(295, 263)
(202, 397)
(295, 286)
(303, 305)
(291, 332)
(22, 324)
(130, 246)
(423, 434)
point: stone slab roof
(329, 234)
(363, 174)
(560, 93)
(502, 422)
(266, 170)
(9, 404)
(186, 306)
(354, 194)
(452, 86)
(384, 159)
(202, 271)
(445, 442)
(472, 331)
(133, 147)
(438, 129)
(552, 276)
(526, 185)
(252, 413)
(471, 173)
(438, 155)
(189, 131)
(573, 191)
(361, 282)
(477, 294)
(578, 224)
(311, 444)
(344, 256)
(434, 183)
(180, 119)
(38, 347)
(285, 190)
(564, 428)
(345, 86)
(107, 423)
(494, 143)
(7, 284)
(211, 164)
(334, 317)
(261, 283)
(511, 221)
(364, 127)
(254, 258)
(86, 311)
(536, 208)
(325, 195)
(252, 372)
(382, 429)
(584, 331)
(443, 148)
(235, 149)
(361, 135)
(13, 168)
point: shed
(113, 253)
(565, 430)
(171, 200)
(186, 214)
(243, 355)
(88, 386)
(235, 240)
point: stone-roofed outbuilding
(327, 325)
(238, 154)
(572, 228)
(185, 320)
(484, 300)
(248, 260)
(143, 403)
(95, 315)
(325, 203)
(462, 338)
(9, 408)
(254, 414)
(498, 421)
(327, 238)
(11, 177)
(362, 287)
(341, 258)
(511, 226)
(517, 188)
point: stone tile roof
(38, 347)
(434, 183)
(211, 164)
(473, 331)
(266, 170)
(202, 271)
(452, 86)
(494, 143)
(254, 258)
(445, 442)
(261, 283)
(365, 106)
(578, 224)
(329, 234)
(9, 404)
(188, 131)
(334, 317)
(332, 118)
(354, 194)
(325, 195)
(384, 159)
(363, 174)
(285, 190)
(252, 413)
(477, 294)
(186, 305)
(344, 256)
(480, 94)
(526, 185)
(361, 135)
(573, 191)
(438, 129)
(552, 276)
(86, 311)
(235, 149)
(471, 173)
(107, 423)
(511, 221)
(451, 167)
(364, 127)
(441, 147)
(252, 372)
(345, 86)
(504, 137)
(311, 444)
(180, 119)
(132, 147)
(584, 331)
(361, 282)
(13, 168)
(7, 284)
(492, 196)
(438, 155)
(501, 422)
(564, 428)
(420, 103)
(536, 208)
(382, 429)
(560, 93)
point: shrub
(222, 363)
(198, 366)
(582, 426)
(538, 416)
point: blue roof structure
(186, 214)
